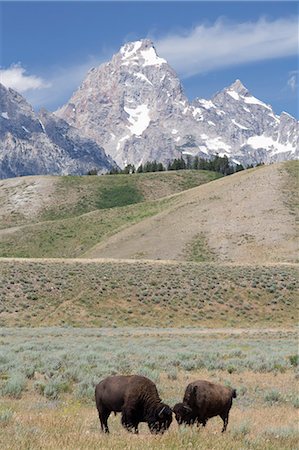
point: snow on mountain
(249, 127)
(135, 108)
(132, 105)
(44, 144)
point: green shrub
(153, 375)
(172, 373)
(29, 372)
(56, 387)
(295, 402)
(5, 416)
(85, 390)
(39, 387)
(273, 396)
(294, 360)
(15, 386)
(241, 430)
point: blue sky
(47, 47)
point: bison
(137, 398)
(203, 400)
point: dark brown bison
(203, 400)
(137, 398)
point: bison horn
(188, 408)
(161, 412)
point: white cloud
(205, 48)
(60, 83)
(224, 44)
(63, 80)
(16, 78)
(293, 80)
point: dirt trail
(243, 217)
(135, 261)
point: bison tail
(234, 393)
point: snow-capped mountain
(129, 105)
(134, 106)
(249, 130)
(32, 144)
(134, 109)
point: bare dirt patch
(21, 199)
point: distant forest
(217, 163)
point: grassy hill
(248, 217)
(220, 254)
(32, 199)
(66, 216)
(139, 293)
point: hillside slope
(244, 218)
(249, 217)
(27, 200)
(66, 216)
(105, 293)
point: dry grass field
(146, 293)
(47, 379)
(156, 274)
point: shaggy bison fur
(203, 400)
(137, 398)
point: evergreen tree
(114, 171)
(92, 172)
(189, 162)
(195, 164)
(130, 168)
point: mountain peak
(136, 46)
(238, 87)
(143, 49)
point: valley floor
(48, 377)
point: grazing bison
(137, 398)
(203, 400)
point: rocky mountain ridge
(135, 107)
(41, 144)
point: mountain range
(133, 109)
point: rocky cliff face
(134, 106)
(32, 144)
(129, 105)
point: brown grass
(243, 218)
(138, 293)
(39, 424)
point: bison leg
(129, 422)
(225, 421)
(200, 421)
(103, 416)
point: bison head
(161, 419)
(183, 414)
